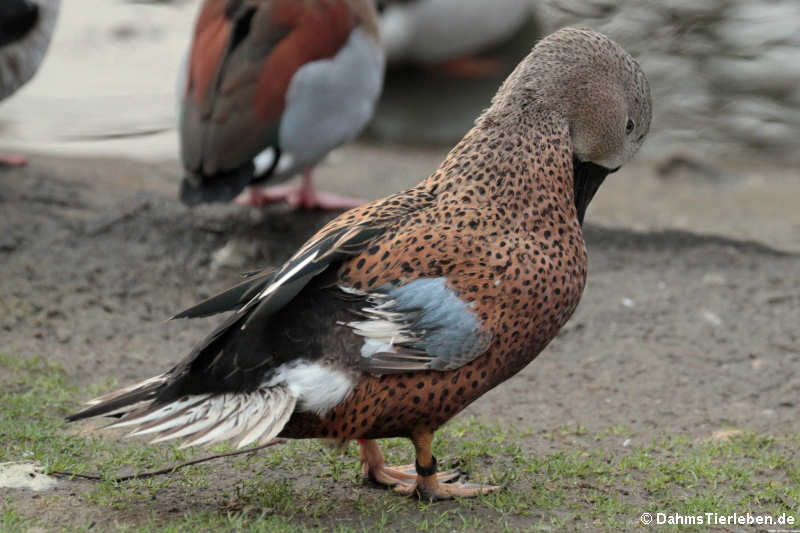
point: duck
(26, 28)
(268, 88)
(447, 34)
(399, 313)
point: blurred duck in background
(25, 30)
(446, 34)
(446, 59)
(270, 87)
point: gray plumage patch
(419, 326)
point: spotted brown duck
(400, 313)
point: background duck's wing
(243, 58)
(220, 131)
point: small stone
(626, 443)
(63, 334)
(711, 317)
(234, 254)
(722, 434)
(627, 302)
(714, 279)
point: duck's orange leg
(429, 485)
(374, 467)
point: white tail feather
(137, 419)
(201, 421)
(197, 425)
(204, 419)
(187, 417)
(224, 420)
(264, 433)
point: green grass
(308, 486)
(11, 521)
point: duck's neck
(525, 171)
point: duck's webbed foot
(374, 468)
(420, 479)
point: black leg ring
(426, 470)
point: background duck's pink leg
(470, 67)
(304, 196)
(13, 160)
(308, 197)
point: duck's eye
(629, 126)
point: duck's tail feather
(123, 400)
(200, 419)
(203, 419)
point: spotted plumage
(398, 314)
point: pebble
(714, 279)
(234, 254)
(711, 317)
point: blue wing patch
(422, 325)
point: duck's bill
(588, 177)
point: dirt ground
(689, 322)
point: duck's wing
(421, 325)
(232, 298)
(271, 334)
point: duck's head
(589, 82)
